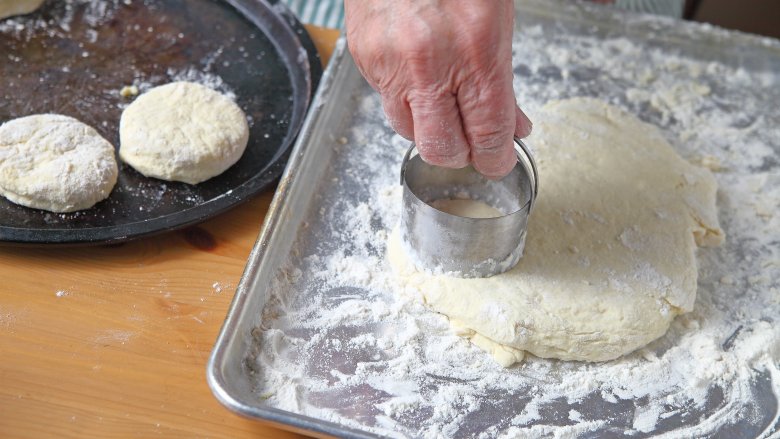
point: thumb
(523, 125)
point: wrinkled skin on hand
(444, 71)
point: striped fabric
(330, 13)
(323, 13)
(672, 8)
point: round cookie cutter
(442, 243)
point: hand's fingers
(489, 116)
(523, 125)
(438, 132)
(399, 115)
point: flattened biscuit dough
(182, 131)
(610, 258)
(55, 163)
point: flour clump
(610, 255)
(182, 131)
(55, 163)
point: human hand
(444, 71)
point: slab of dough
(610, 258)
(55, 163)
(9, 8)
(182, 132)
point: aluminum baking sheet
(311, 265)
(72, 57)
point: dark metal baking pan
(72, 57)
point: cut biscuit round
(184, 132)
(55, 163)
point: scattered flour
(202, 76)
(114, 337)
(96, 13)
(66, 15)
(339, 343)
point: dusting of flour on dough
(182, 131)
(55, 163)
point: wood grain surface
(112, 341)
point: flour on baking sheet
(338, 343)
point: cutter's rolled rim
(524, 158)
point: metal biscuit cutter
(442, 243)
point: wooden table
(112, 342)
